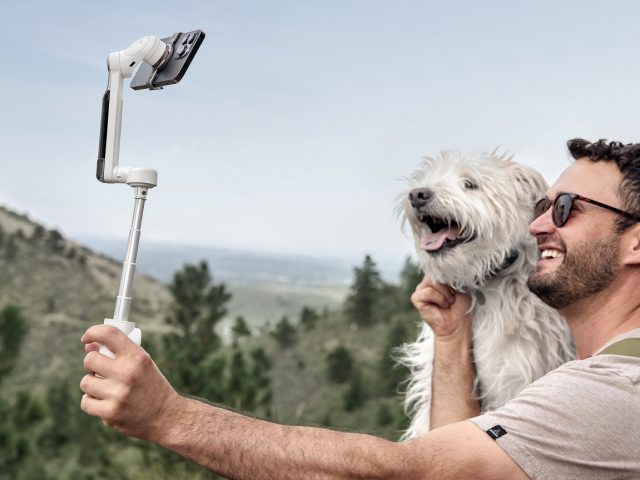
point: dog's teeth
(461, 232)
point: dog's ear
(531, 184)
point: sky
(298, 121)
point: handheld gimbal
(161, 62)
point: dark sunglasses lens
(541, 207)
(562, 209)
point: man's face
(581, 257)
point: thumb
(110, 337)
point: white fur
(516, 337)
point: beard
(589, 268)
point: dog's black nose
(420, 197)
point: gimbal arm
(154, 52)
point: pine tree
(308, 318)
(356, 394)
(339, 364)
(38, 234)
(51, 305)
(205, 378)
(284, 333)
(240, 329)
(261, 379)
(249, 384)
(393, 374)
(62, 407)
(198, 306)
(410, 277)
(27, 411)
(13, 329)
(55, 241)
(14, 451)
(11, 248)
(242, 393)
(362, 304)
(19, 418)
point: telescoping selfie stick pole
(161, 62)
(125, 291)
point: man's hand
(444, 310)
(447, 313)
(128, 392)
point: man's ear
(631, 246)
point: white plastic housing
(147, 49)
(121, 64)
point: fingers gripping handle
(128, 328)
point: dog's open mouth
(444, 234)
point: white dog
(469, 216)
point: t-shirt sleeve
(575, 422)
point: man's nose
(420, 197)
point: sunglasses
(563, 204)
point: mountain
(63, 288)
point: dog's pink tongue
(434, 241)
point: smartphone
(185, 46)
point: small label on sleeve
(496, 432)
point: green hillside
(313, 365)
(303, 393)
(62, 288)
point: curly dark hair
(627, 158)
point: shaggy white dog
(469, 216)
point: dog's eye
(469, 184)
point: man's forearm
(452, 397)
(242, 447)
(130, 394)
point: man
(580, 421)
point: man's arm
(135, 398)
(447, 313)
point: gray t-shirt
(580, 421)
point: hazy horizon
(246, 266)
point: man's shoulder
(583, 387)
(603, 365)
(604, 370)
(585, 412)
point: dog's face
(469, 214)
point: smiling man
(580, 421)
